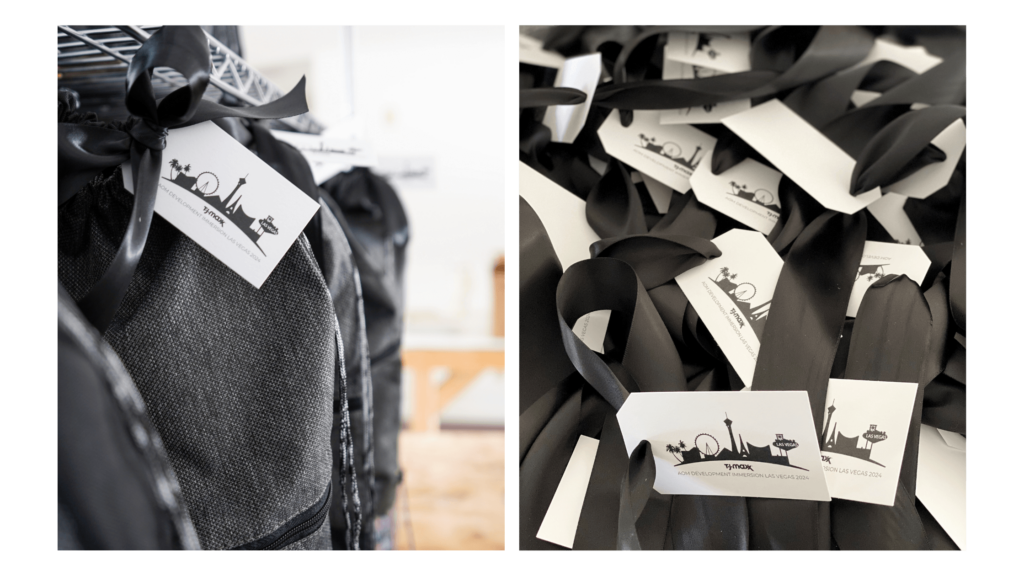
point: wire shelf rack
(92, 60)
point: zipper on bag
(303, 525)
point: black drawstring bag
(334, 255)
(239, 382)
(374, 222)
(116, 489)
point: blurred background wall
(429, 100)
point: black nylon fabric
(808, 338)
(116, 489)
(374, 222)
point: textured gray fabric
(319, 540)
(239, 382)
(141, 439)
(343, 283)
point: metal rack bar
(93, 59)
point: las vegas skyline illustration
(871, 272)
(706, 449)
(761, 197)
(704, 43)
(230, 206)
(670, 150)
(837, 443)
(740, 294)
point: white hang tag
(942, 482)
(803, 153)
(707, 114)
(888, 210)
(668, 153)
(883, 258)
(725, 52)
(866, 426)
(563, 515)
(531, 51)
(732, 294)
(747, 192)
(755, 443)
(566, 121)
(227, 200)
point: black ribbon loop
(86, 150)
(647, 358)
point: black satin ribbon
(774, 69)
(647, 359)
(543, 360)
(798, 346)
(634, 491)
(86, 150)
(890, 342)
(542, 97)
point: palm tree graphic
(675, 449)
(186, 168)
(174, 166)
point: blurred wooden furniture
(464, 356)
(507, 298)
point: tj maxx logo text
(738, 467)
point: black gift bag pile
(197, 411)
(884, 115)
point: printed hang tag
(706, 114)
(803, 153)
(755, 443)
(883, 258)
(327, 156)
(667, 153)
(564, 216)
(725, 52)
(566, 121)
(747, 192)
(732, 295)
(228, 201)
(866, 426)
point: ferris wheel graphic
(762, 196)
(672, 150)
(744, 291)
(203, 182)
(707, 444)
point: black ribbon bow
(86, 150)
